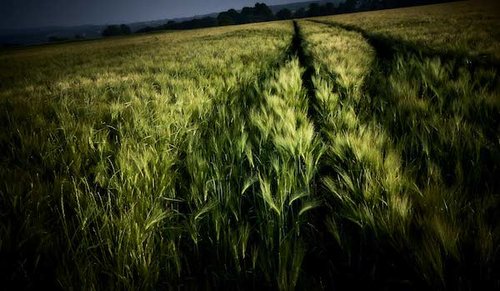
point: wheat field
(329, 153)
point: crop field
(331, 153)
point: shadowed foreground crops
(318, 154)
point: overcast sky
(39, 13)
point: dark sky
(38, 13)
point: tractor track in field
(305, 61)
(317, 260)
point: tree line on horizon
(112, 30)
(261, 12)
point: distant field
(342, 152)
(471, 27)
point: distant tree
(348, 6)
(329, 8)
(57, 38)
(113, 30)
(125, 29)
(225, 19)
(260, 12)
(193, 23)
(284, 14)
(263, 11)
(300, 13)
(203, 22)
(314, 9)
(247, 13)
(147, 29)
(367, 5)
(229, 17)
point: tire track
(305, 61)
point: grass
(337, 152)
